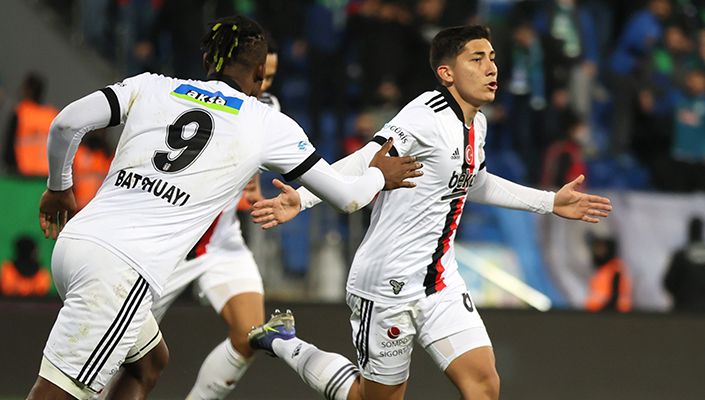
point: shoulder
(420, 116)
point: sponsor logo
(394, 348)
(403, 136)
(455, 155)
(302, 145)
(216, 101)
(461, 181)
(396, 286)
(393, 332)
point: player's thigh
(473, 369)
(227, 275)
(383, 336)
(106, 302)
(183, 274)
(243, 311)
(370, 390)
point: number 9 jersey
(187, 149)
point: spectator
(90, 167)
(687, 169)
(685, 279)
(23, 276)
(610, 287)
(26, 139)
(525, 98)
(571, 52)
(643, 30)
(564, 159)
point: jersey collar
(452, 103)
(227, 81)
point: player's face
(270, 69)
(474, 73)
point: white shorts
(384, 334)
(219, 275)
(104, 316)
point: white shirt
(188, 148)
(408, 251)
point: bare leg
(241, 313)
(474, 374)
(45, 390)
(136, 380)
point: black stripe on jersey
(429, 281)
(482, 166)
(338, 379)
(302, 168)
(434, 98)
(114, 106)
(381, 141)
(439, 109)
(129, 307)
(438, 103)
(451, 101)
(454, 195)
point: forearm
(67, 130)
(493, 190)
(346, 193)
(353, 165)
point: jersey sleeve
(287, 149)
(121, 95)
(411, 130)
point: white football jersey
(408, 252)
(226, 233)
(188, 148)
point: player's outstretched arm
(571, 204)
(272, 212)
(396, 170)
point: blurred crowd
(611, 89)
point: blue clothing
(689, 140)
(642, 31)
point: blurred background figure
(564, 160)
(26, 139)
(610, 286)
(23, 276)
(90, 166)
(685, 279)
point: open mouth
(492, 86)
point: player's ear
(445, 74)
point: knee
(486, 382)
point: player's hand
(272, 212)
(571, 204)
(396, 169)
(55, 209)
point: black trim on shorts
(362, 340)
(302, 168)
(156, 335)
(380, 140)
(96, 361)
(114, 106)
(483, 165)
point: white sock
(330, 374)
(220, 372)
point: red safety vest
(12, 283)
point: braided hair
(231, 40)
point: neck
(469, 110)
